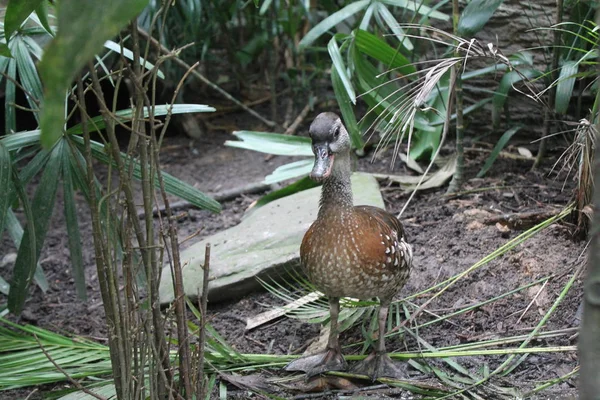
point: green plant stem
(548, 114)
(101, 252)
(149, 172)
(458, 177)
(589, 345)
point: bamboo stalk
(202, 326)
(457, 178)
(549, 112)
(589, 345)
(100, 250)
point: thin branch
(78, 385)
(204, 79)
(202, 328)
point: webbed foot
(329, 360)
(378, 365)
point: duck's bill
(323, 164)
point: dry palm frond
(398, 119)
(579, 157)
(429, 90)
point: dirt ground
(448, 234)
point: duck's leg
(329, 360)
(378, 364)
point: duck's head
(330, 139)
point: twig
(379, 389)
(198, 75)
(521, 220)
(299, 119)
(503, 154)
(225, 195)
(532, 301)
(78, 385)
(202, 328)
(17, 84)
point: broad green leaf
(393, 24)
(4, 287)
(20, 140)
(506, 83)
(497, 149)
(264, 7)
(15, 231)
(76, 43)
(109, 44)
(5, 177)
(17, 12)
(42, 13)
(272, 143)
(332, 21)
(33, 47)
(298, 186)
(380, 97)
(418, 7)
(106, 391)
(27, 70)
(73, 234)
(42, 208)
(366, 19)
(10, 123)
(340, 68)
(565, 85)
(373, 46)
(290, 171)
(173, 185)
(475, 15)
(124, 116)
(425, 143)
(344, 102)
(4, 50)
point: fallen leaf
(439, 178)
(270, 315)
(525, 152)
(321, 384)
(474, 226)
(410, 163)
(247, 382)
(502, 228)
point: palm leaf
(565, 85)
(35, 233)
(272, 143)
(332, 20)
(475, 15)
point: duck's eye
(336, 133)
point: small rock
(28, 316)
(474, 226)
(502, 228)
(477, 213)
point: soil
(448, 233)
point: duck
(350, 251)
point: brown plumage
(350, 251)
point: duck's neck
(336, 193)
